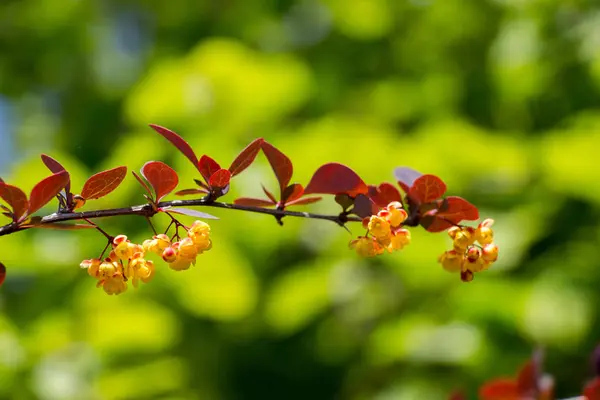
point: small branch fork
(148, 210)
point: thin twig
(147, 210)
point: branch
(147, 210)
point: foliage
(496, 97)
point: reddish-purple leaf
(304, 201)
(432, 223)
(592, 389)
(220, 179)
(102, 183)
(269, 194)
(186, 192)
(384, 194)
(334, 178)
(46, 189)
(281, 164)
(15, 198)
(178, 142)
(528, 377)
(207, 167)
(2, 273)
(406, 177)
(162, 178)
(55, 167)
(141, 182)
(457, 209)
(500, 389)
(246, 157)
(252, 202)
(292, 192)
(364, 206)
(189, 212)
(426, 189)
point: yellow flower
(115, 284)
(396, 214)
(123, 248)
(490, 253)
(463, 239)
(452, 261)
(92, 266)
(139, 269)
(366, 246)
(180, 264)
(157, 244)
(199, 228)
(187, 249)
(399, 239)
(379, 227)
(108, 268)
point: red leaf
(220, 179)
(426, 189)
(46, 189)
(15, 198)
(456, 209)
(141, 182)
(269, 195)
(384, 194)
(189, 212)
(162, 178)
(527, 380)
(304, 201)
(291, 193)
(334, 178)
(246, 157)
(252, 202)
(500, 389)
(364, 206)
(186, 192)
(55, 167)
(207, 167)
(102, 183)
(433, 223)
(2, 273)
(178, 142)
(592, 390)
(281, 164)
(406, 177)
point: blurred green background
(500, 98)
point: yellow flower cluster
(473, 250)
(182, 254)
(126, 261)
(385, 232)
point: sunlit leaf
(162, 178)
(252, 202)
(592, 389)
(220, 178)
(102, 183)
(54, 166)
(178, 142)
(269, 194)
(15, 198)
(406, 177)
(190, 212)
(142, 183)
(334, 178)
(207, 167)
(246, 157)
(500, 389)
(426, 189)
(456, 209)
(46, 189)
(384, 194)
(292, 192)
(281, 164)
